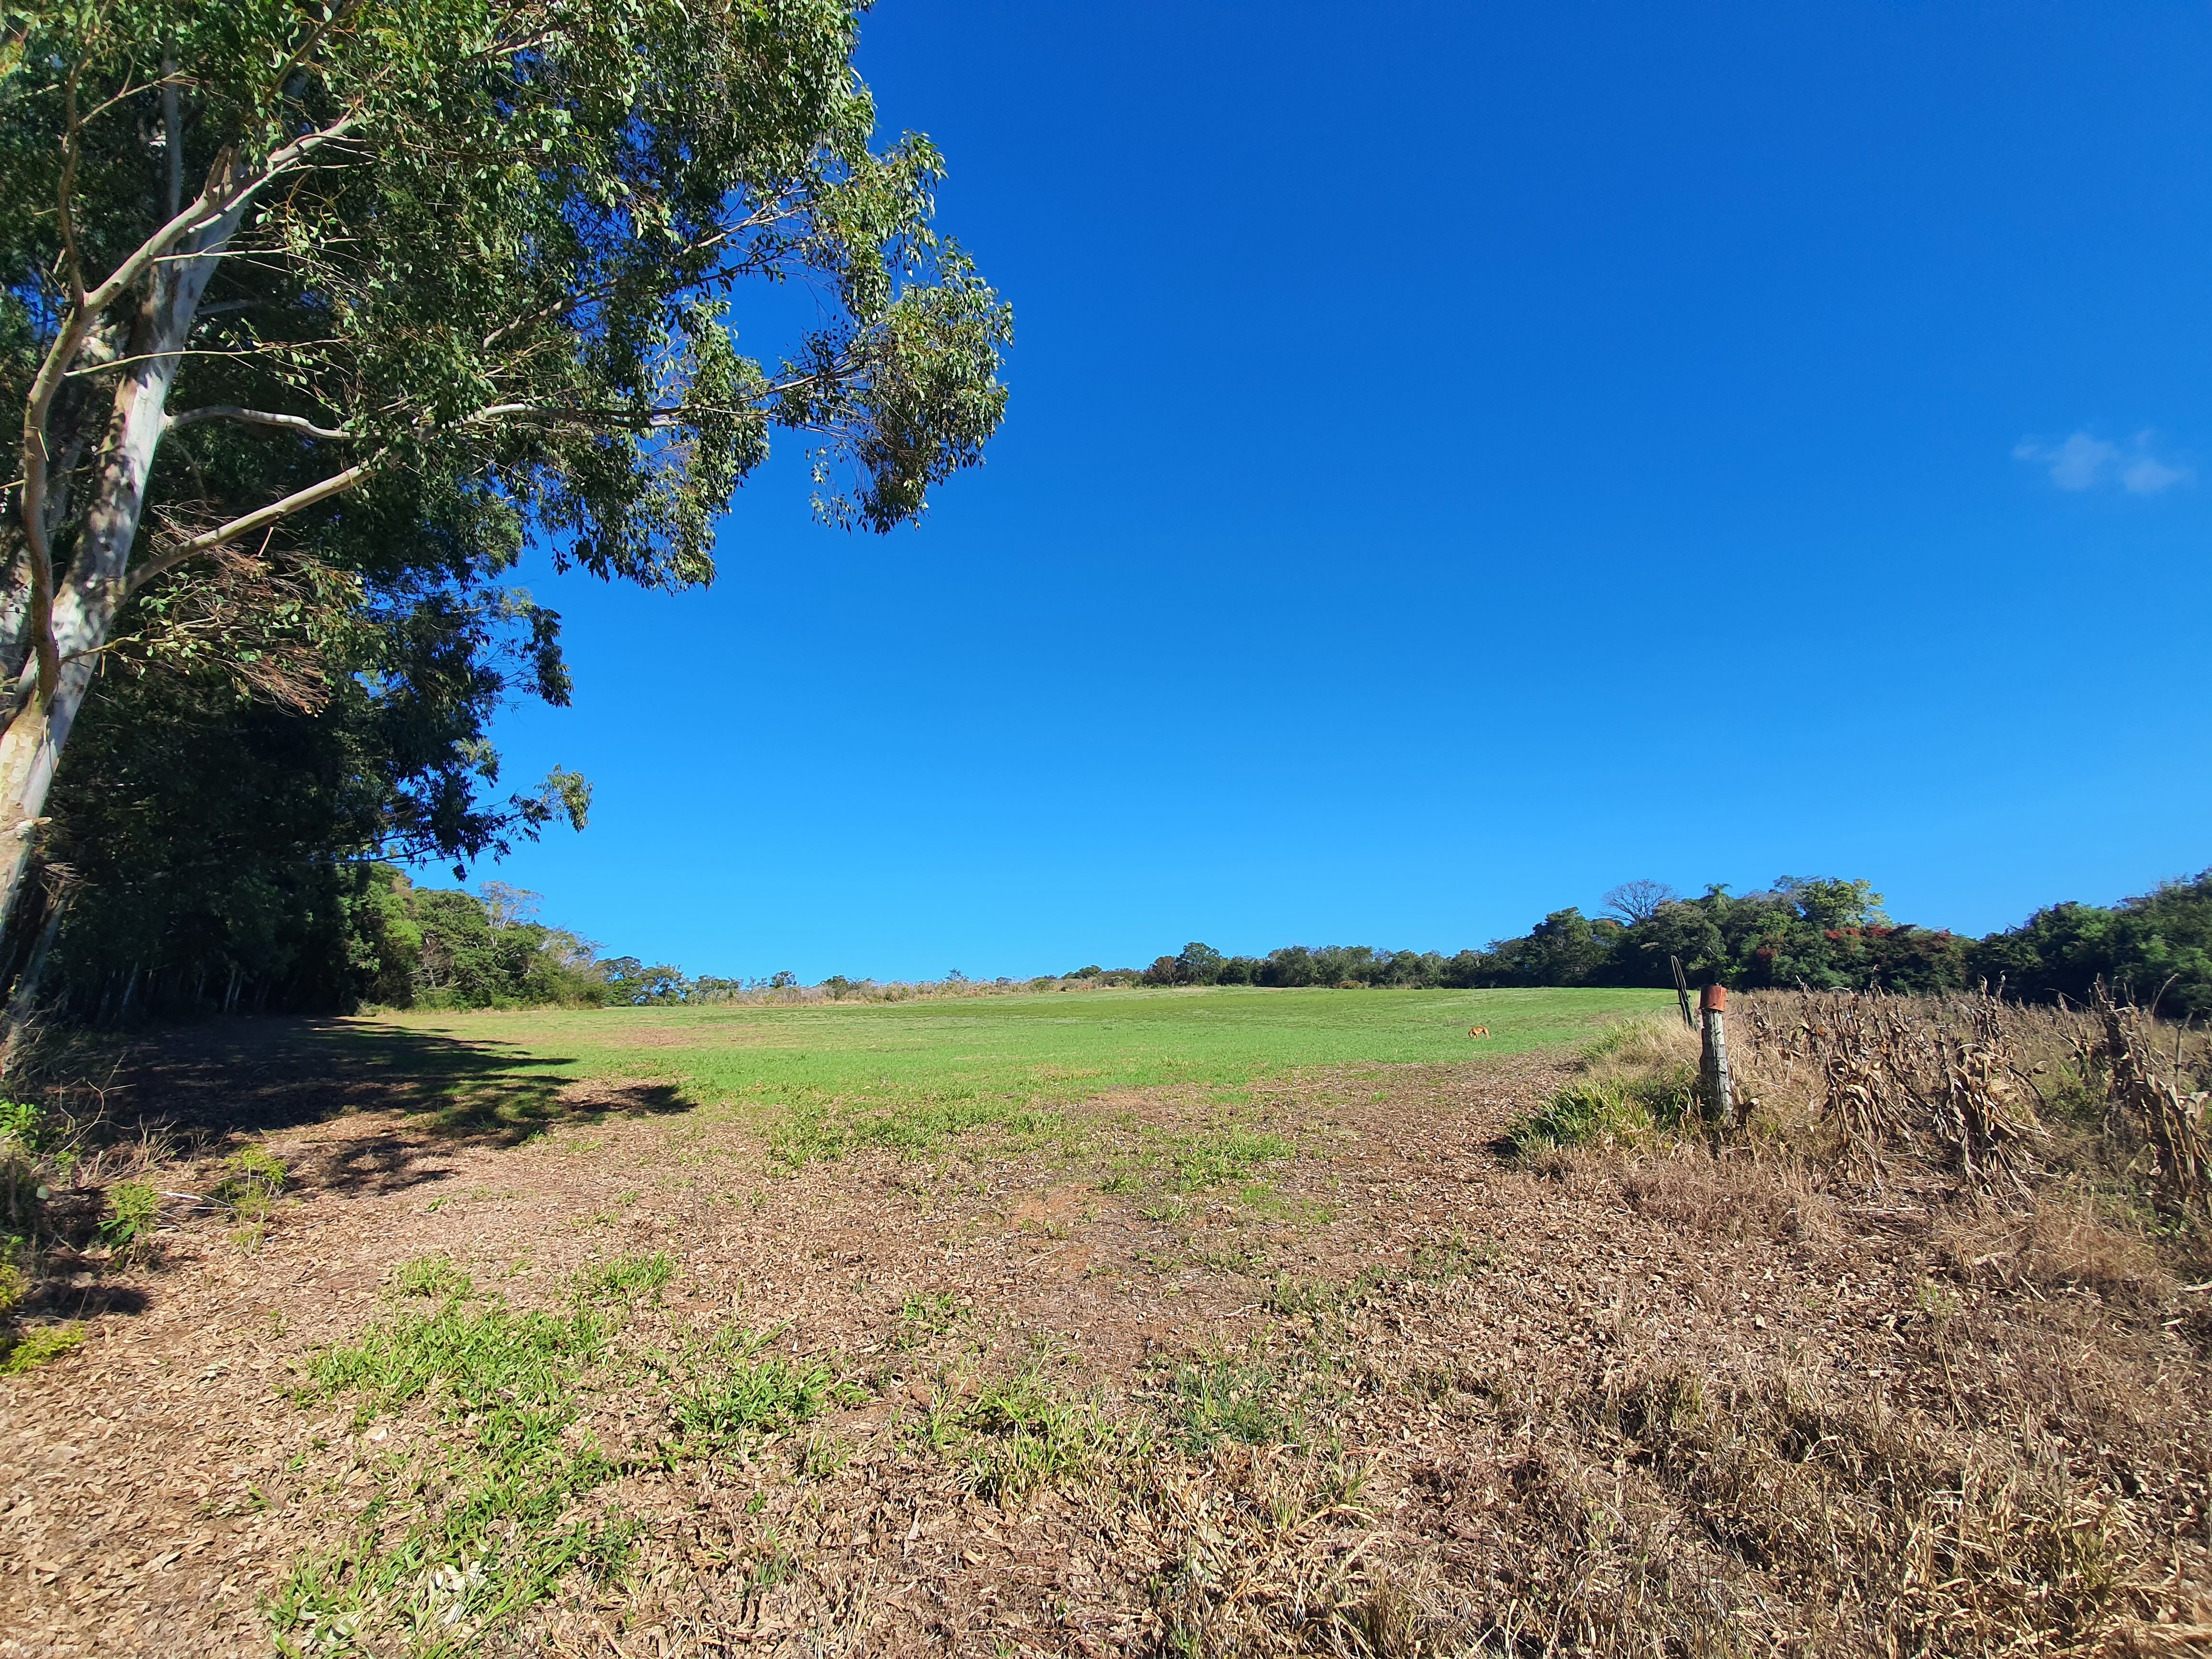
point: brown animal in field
(1477, 1031)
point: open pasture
(1203, 1324)
(818, 1076)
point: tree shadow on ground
(207, 1085)
(397, 1103)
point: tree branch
(255, 417)
(299, 500)
(224, 196)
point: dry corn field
(1512, 1355)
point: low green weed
(1207, 1161)
(509, 1518)
(1232, 1260)
(506, 1534)
(923, 1316)
(476, 1358)
(825, 1454)
(133, 1208)
(37, 1346)
(801, 1131)
(1317, 1298)
(1453, 1257)
(1262, 1199)
(801, 1136)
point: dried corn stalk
(1896, 1076)
(2152, 1102)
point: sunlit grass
(823, 1079)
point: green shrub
(250, 1182)
(23, 1122)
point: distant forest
(374, 937)
(1822, 933)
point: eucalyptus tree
(301, 297)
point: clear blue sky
(1462, 457)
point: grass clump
(626, 1278)
(1023, 1435)
(432, 1275)
(1220, 1398)
(750, 1394)
(1636, 1085)
(1640, 1046)
(1628, 1111)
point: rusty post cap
(1713, 999)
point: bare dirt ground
(1394, 1395)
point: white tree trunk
(88, 593)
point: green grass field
(909, 1074)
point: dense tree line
(1824, 933)
(342, 936)
(366, 935)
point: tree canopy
(313, 317)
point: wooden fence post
(1681, 991)
(1720, 1091)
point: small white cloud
(2084, 461)
(2148, 476)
